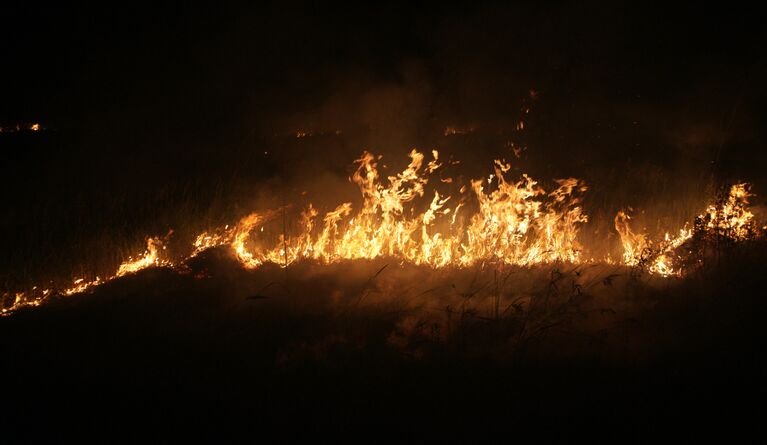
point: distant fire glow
(32, 126)
(497, 219)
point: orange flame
(515, 223)
(502, 221)
(729, 219)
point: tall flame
(497, 220)
(515, 223)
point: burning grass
(724, 223)
(494, 222)
(389, 344)
(317, 312)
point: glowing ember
(452, 131)
(309, 133)
(21, 127)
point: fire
(635, 245)
(152, 257)
(80, 285)
(514, 223)
(728, 219)
(495, 220)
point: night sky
(170, 76)
(645, 103)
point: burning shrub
(725, 223)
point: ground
(382, 351)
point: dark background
(159, 118)
(185, 117)
(174, 82)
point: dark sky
(193, 65)
(619, 86)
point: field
(408, 353)
(469, 222)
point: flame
(80, 285)
(514, 223)
(153, 256)
(635, 245)
(150, 257)
(728, 219)
(497, 219)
